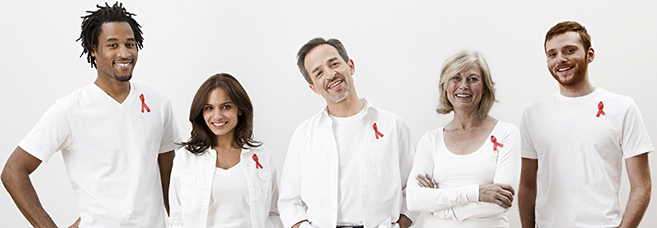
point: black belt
(350, 226)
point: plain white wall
(398, 49)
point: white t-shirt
(455, 201)
(110, 151)
(229, 200)
(350, 200)
(580, 152)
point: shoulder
(153, 95)
(381, 115)
(537, 104)
(507, 128)
(261, 151)
(308, 125)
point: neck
(225, 142)
(348, 107)
(467, 120)
(117, 90)
(582, 89)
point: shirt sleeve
(507, 171)
(291, 208)
(432, 199)
(527, 145)
(175, 210)
(274, 216)
(635, 136)
(171, 135)
(49, 135)
(406, 154)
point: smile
(564, 69)
(218, 125)
(463, 95)
(335, 83)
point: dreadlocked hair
(92, 24)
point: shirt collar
(367, 106)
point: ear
(590, 55)
(352, 67)
(312, 87)
(93, 53)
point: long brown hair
(201, 137)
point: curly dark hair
(202, 137)
(92, 24)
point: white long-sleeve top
(191, 187)
(309, 181)
(455, 201)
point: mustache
(336, 77)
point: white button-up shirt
(309, 181)
(191, 187)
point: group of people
(351, 164)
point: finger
(508, 188)
(503, 204)
(422, 181)
(507, 194)
(431, 184)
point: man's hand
(404, 222)
(299, 224)
(500, 194)
(75, 224)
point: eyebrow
(115, 39)
(328, 61)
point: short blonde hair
(454, 65)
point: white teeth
(335, 84)
(123, 64)
(564, 69)
(463, 95)
(219, 124)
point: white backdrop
(398, 49)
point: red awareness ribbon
(600, 107)
(255, 158)
(495, 143)
(377, 133)
(143, 104)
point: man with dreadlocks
(117, 137)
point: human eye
(318, 74)
(207, 108)
(473, 79)
(226, 107)
(130, 45)
(335, 63)
(456, 78)
(112, 45)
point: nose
(463, 84)
(123, 52)
(562, 58)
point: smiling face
(220, 114)
(465, 89)
(330, 74)
(567, 59)
(116, 53)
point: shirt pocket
(381, 161)
(187, 182)
(265, 182)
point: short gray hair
(454, 65)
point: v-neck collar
(128, 100)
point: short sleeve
(49, 135)
(635, 136)
(527, 149)
(171, 135)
